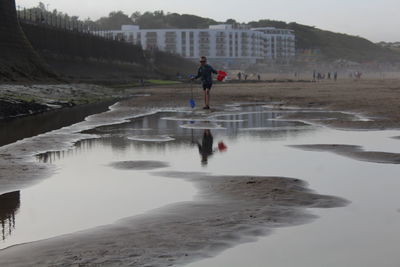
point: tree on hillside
(160, 20)
(42, 6)
(114, 21)
(154, 20)
(135, 16)
(232, 22)
(268, 23)
(183, 21)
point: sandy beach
(227, 210)
(376, 98)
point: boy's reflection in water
(206, 146)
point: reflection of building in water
(53, 156)
(50, 157)
(9, 204)
(121, 137)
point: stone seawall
(83, 45)
(81, 57)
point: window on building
(183, 37)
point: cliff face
(18, 60)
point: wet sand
(228, 210)
(246, 207)
(377, 99)
(355, 152)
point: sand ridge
(228, 210)
(355, 152)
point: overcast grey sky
(376, 20)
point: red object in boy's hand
(221, 75)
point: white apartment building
(279, 43)
(219, 43)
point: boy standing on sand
(205, 73)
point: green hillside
(333, 45)
(160, 20)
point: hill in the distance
(329, 45)
(334, 45)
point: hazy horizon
(372, 19)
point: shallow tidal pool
(113, 176)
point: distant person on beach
(239, 75)
(245, 77)
(314, 75)
(259, 77)
(335, 76)
(357, 75)
(205, 73)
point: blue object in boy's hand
(191, 76)
(192, 103)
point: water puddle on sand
(88, 191)
(108, 178)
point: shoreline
(19, 128)
(375, 98)
(21, 100)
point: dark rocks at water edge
(14, 108)
(19, 100)
(10, 108)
